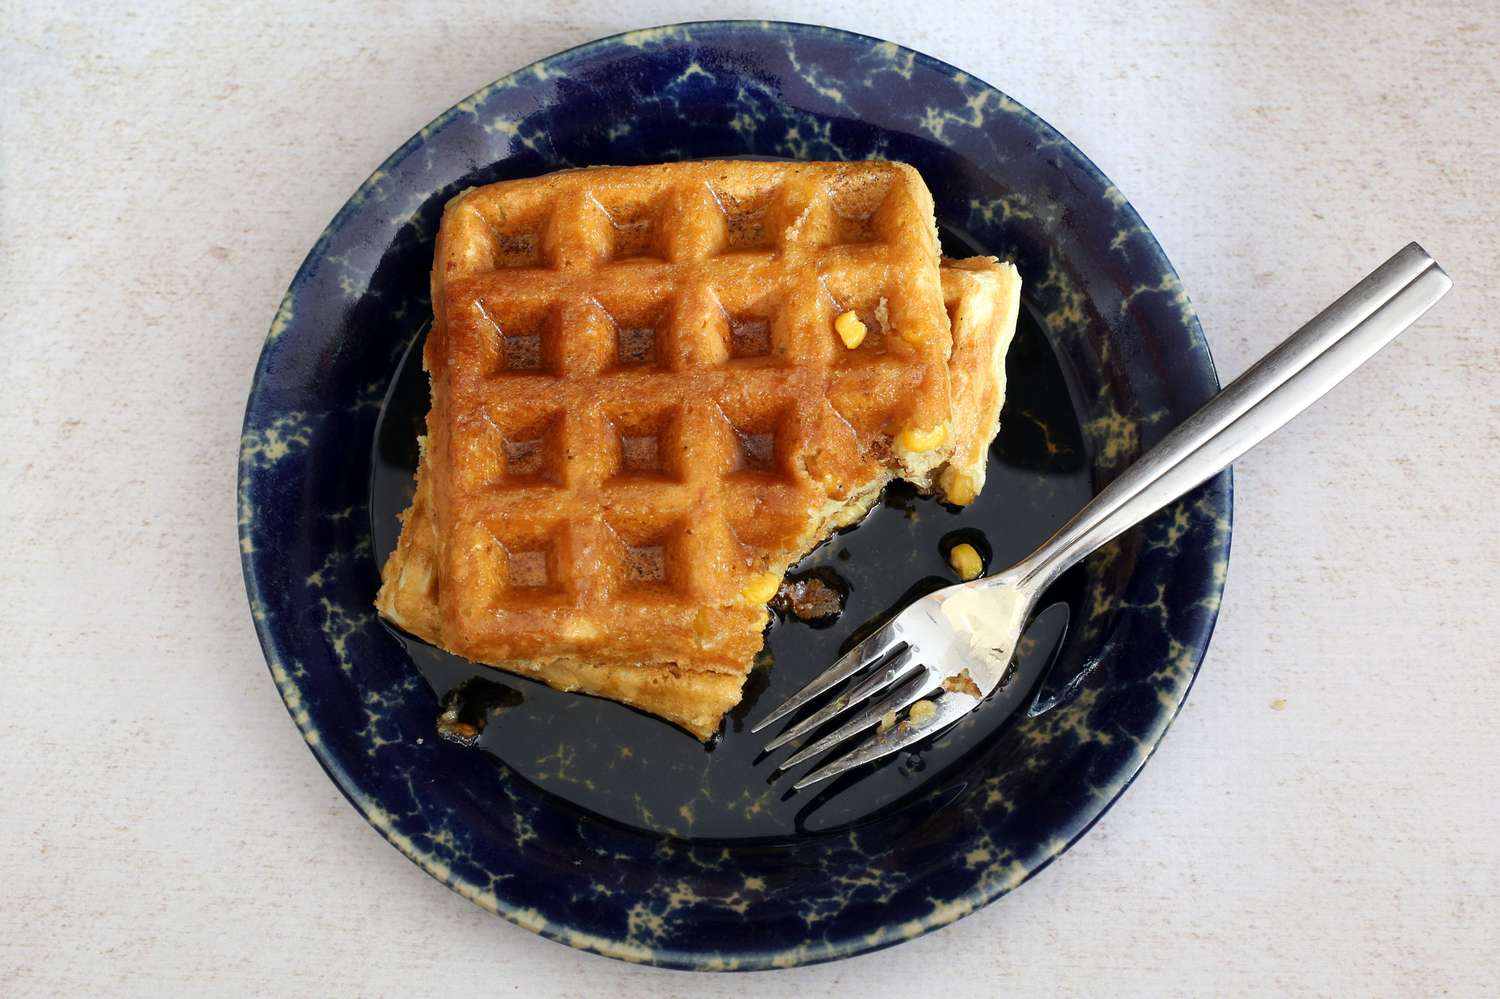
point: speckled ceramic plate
(616, 833)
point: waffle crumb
(809, 598)
(963, 683)
(966, 562)
(887, 722)
(850, 329)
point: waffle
(694, 700)
(642, 414)
(983, 297)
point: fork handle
(1255, 405)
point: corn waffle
(695, 700)
(642, 414)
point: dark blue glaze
(1111, 308)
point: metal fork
(951, 649)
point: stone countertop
(1323, 817)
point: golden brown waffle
(983, 297)
(642, 413)
(694, 699)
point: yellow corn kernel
(920, 712)
(580, 631)
(958, 487)
(703, 626)
(762, 588)
(916, 441)
(966, 562)
(850, 329)
(913, 337)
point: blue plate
(612, 832)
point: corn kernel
(921, 711)
(917, 441)
(913, 337)
(850, 329)
(762, 587)
(703, 625)
(966, 562)
(580, 631)
(958, 487)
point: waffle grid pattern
(645, 399)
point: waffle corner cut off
(643, 411)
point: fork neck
(1030, 576)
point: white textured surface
(163, 829)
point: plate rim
(368, 805)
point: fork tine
(875, 645)
(952, 706)
(895, 668)
(921, 683)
